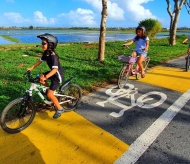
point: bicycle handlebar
(31, 79)
(129, 48)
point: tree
(174, 17)
(152, 27)
(102, 31)
(31, 27)
(187, 5)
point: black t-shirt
(52, 61)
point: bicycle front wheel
(16, 116)
(187, 65)
(123, 77)
(71, 97)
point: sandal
(58, 113)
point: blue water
(29, 36)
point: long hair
(143, 37)
(51, 49)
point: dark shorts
(54, 82)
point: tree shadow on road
(17, 148)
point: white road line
(142, 143)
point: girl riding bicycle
(142, 45)
(49, 43)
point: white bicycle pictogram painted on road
(130, 93)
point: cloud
(136, 11)
(42, 20)
(38, 19)
(132, 11)
(80, 17)
(114, 11)
(15, 17)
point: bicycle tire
(138, 76)
(187, 65)
(146, 63)
(72, 90)
(14, 119)
(123, 77)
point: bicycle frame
(38, 87)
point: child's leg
(188, 51)
(50, 94)
(134, 54)
(133, 57)
(139, 62)
(53, 98)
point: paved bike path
(69, 139)
(74, 139)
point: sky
(85, 13)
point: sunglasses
(44, 43)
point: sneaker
(58, 113)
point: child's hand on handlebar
(42, 79)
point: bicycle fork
(24, 105)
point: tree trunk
(102, 31)
(174, 17)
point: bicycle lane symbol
(130, 93)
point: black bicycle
(19, 113)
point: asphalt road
(171, 144)
(146, 122)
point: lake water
(64, 36)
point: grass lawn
(78, 60)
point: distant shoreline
(19, 36)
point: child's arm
(129, 43)
(46, 77)
(51, 73)
(35, 65)
(147, 46)
(185, 40)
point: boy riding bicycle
(142, 45)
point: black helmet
(142, 28)
(50, 39)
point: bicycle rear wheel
(123, 76)
(187, 65)
(17, 115)
(71, 98)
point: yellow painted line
(167, 77)
(68, 139)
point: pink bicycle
(130, 68)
